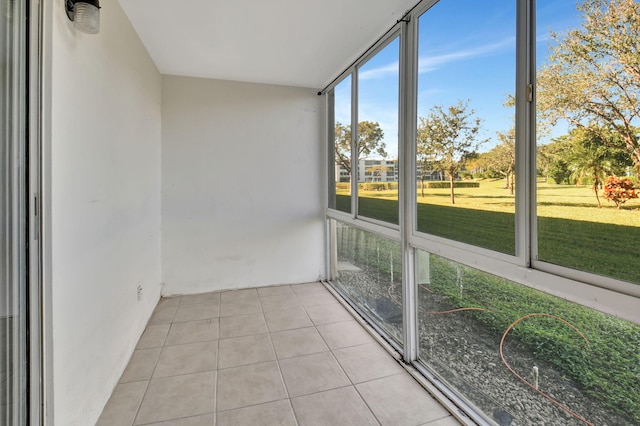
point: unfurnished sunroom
(443, 189)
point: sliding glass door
(15, 228)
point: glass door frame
(35, 397)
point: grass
(572, 231)
(608, 367)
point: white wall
(102, 162)
(241, 185)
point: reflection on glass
(342, 145)
(466, 136)
(588, 123)
(13, 243)
(525, 357)
(369, 272)
(378, 86)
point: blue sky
(466, 51)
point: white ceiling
(290, 42)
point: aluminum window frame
(593, 290)
(521, 230)
(600, 292)
(390, 37)
(381, 228)
(609, 295)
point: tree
(502, 158)
(594, 156)
(593, 73)
(426, 163)
(370, 137)
(447, 136)
(473, 163)
(551, 159)
(588, 161)
(558, 170)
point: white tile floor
(286, 355)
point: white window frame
(609, 295)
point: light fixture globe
(85, 15)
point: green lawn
(608, 368)
(572, 231)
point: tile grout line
(353, 385)
(277, 360)
(284, 384)
(215, 385)
(146, 389)
(367, 404)
(424, 383)
(332, 351)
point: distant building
(371, 171)
(386, 171)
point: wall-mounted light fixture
(85, 15)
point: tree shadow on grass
(492, 230)
(607, 205)
(556, 187)
(558, 204)
(379, 209)
(470, 196)
(343, 203)
(493, 197)
(600, 248)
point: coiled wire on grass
(502, 341)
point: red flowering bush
(619, 190)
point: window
(378, 89)
(466, 129)
(523, 356)
(483, 207)
(340, 150)
(587, 153)
(369, 273)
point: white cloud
(431, 63)
(543, 37)
(380, 72)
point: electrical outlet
(139, 293)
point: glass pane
(466, 135)
(524, 357)
(378, 88)
(588, 154)
(369, 271)
(342, 145)
(13, 320)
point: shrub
(466, 175)
(378, 186)
(488, 174)
(619, 190)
